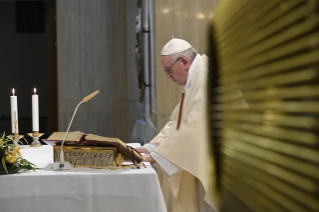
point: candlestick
(35, 112)
(15, 136)
(35, 136)
(14, 111)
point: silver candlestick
(35, 136)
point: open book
(80, 139)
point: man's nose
(169, 75)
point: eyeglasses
(167, 70)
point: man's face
(177, 69)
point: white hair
(188, 53)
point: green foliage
(9, 151)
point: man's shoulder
(203, 62)
(202, 65)
(204, 58)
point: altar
(80, 189)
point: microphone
(67, 165)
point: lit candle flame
(35, 90)
(13, 91)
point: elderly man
(181, 149)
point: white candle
(14, 108)
(35, 111)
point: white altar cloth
(80, 189)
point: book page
(72, 136)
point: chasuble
(184, 142)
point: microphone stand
(63, 164)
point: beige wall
(96, 52)
(185, 19)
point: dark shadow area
(27, 63)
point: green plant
(11, 158)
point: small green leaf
(4, 164)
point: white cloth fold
(169, 167)
(191, 72)
(150, 147)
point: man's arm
(153, 157)
(150, 147)
(169, 167)
(163, 135)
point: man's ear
(186, 62)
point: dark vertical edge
(213, 83)
(50, 24)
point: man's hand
(150, 159)
(142, 150)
